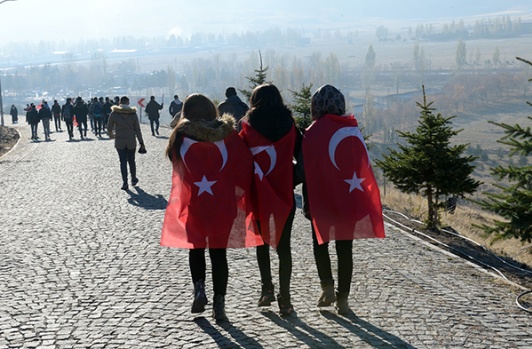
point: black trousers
(344, 252)
(82, 127)
(156, 124)
(57, 122)
(284, 252)
(220, 269)
(98, 124)
(70, 127)
(127, 156)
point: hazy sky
(58, 20)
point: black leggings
(220, 270)
(344, 251)
(285, 259)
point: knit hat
(327, 100)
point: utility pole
(1, 103)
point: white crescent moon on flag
(187, 143)
(270, 150)
(339, 135)
(223, 150)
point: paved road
(81, 267)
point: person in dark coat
(81, 111)
(67, 114)
(233, 105)
(14, 114)
(33, 119)
(56, 112)
(152, 109)
(45, 115)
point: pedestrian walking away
(33, 119)
(45, 115)
(56, 112)
(233, 104)
(270, 133)
(152, 109)
(208, 200)
(124, 128)
(80, 112)
(341, 196)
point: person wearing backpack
(97, 114)
(67, 113)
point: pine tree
(301, 107)
(513, 202)
(258, 79)
(428, 164)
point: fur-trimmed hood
(123, 109)
(207, 131)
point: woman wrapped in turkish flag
(341, 195)
(209, 200)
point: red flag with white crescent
(343, 195)
(272, 189)
(209, 201)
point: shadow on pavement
(146, 201)
(369, 333)
(240, 337)
(303, 332)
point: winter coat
(175, 107)
(33, 116)
(56, 109)
(45, 113)
(80, 111)
(233, 105)
(123, 126)
(152, 109)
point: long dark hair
(196, 107)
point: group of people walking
(73, 113)
(233, 187)
(235, 169)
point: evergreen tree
(301, 107)
(513, 202)
(428, 164)
(258, 79)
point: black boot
(218, 309)
(285, 307)
(200, 299)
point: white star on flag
(205, 186)
(355, 182)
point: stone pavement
(81, 267)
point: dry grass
(414, 206)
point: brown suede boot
(328, 296)
(342, 303)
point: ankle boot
(342, 303)
(218, 308)
(328, 296)
(267, 295)
(200, 299)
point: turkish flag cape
(209, 201)
(343, 195)
(272, 194)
